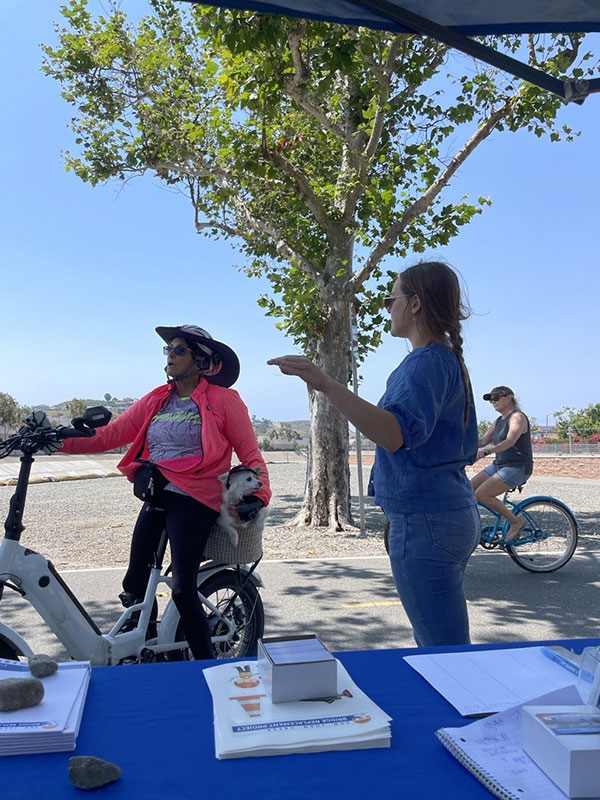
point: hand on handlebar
(79, 431)
(50, 444)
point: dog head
(241, 481)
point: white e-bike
(229, 592)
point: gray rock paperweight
(42, 666)
(18, 693)
(89, 772)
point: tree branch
(296, 89)
(419, 206)
(284, 249)
(388, 70)
(306, 190)
(189, 169)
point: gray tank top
(521, 453)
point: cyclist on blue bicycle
(509, 437)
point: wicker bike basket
(249, 547)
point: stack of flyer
(248, 723)
(53, 724)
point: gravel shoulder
(88, 523)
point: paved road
(351, 602)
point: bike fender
(170, 618)
(543, 497)
(12, 638)
(208, 571)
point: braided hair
(437, 287)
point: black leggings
(188, 523)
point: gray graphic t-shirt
(175, 431)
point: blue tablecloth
(155, 721)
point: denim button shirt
(426, 395)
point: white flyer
(247, 722)
(487, 681)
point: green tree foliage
(583, 422)
(483, 425)
(76, 406)
(319, 150)
(261, 424)
(11, 413)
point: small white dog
(237, 483)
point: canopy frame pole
(570, 91)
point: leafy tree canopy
(581, 422)
(319, 149)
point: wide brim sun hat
(227, 371)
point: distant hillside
(301, 426)
(60, 412)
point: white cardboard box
(296, 668)
(571, 760)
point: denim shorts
(512, 476)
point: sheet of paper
(61, 691)
(246, 721)
(491, 748)
(487, 681)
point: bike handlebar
(39, 436)
(64, 432)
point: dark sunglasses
(178, 349)
(495, 397)
(388, 302)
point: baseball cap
(503, 391)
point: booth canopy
(471, 17)
(452, 22)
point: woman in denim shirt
(425, 430)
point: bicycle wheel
(549, 536)
(8, 651)
(241, 605)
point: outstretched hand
(303, 368)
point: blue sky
(88, 273)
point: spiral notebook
(491, 749)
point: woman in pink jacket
(181, 436)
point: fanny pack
(148, 482)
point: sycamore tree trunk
(327, 493)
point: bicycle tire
(247, 610)
(8, 651)
(554, 529)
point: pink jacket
(225, 425)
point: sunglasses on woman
(388, 302)
(178, 349)
(495, 397)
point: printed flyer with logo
(53, 724)
(247, 723)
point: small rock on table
(89, 772)
(42, 666)
(18, 693)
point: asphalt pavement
(352, 604)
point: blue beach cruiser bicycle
(548, 540)
(546, 543)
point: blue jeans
(428, 554)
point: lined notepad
(491, 749)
